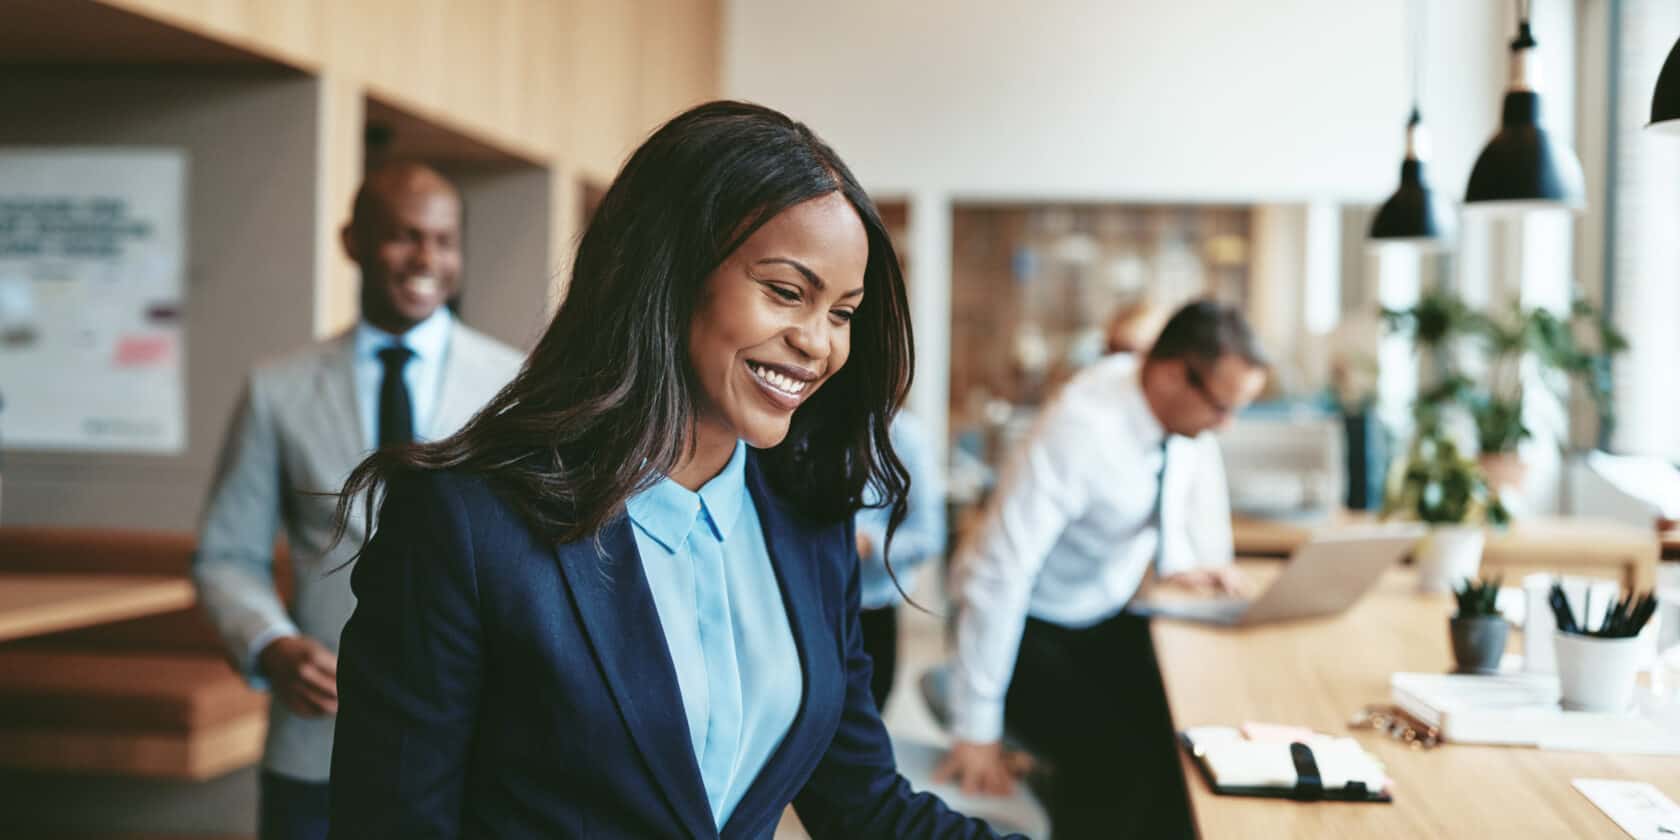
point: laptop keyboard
(1225, 609)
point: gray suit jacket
(294, 438)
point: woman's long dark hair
(606, 402)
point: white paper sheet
(1641, 810)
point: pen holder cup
(1596, 675)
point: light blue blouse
(725, 624)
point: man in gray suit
(407, 371)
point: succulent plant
(1476, 598)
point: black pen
(1560, 610)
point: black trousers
(292, 809)
(1090, 701)
(880, 641)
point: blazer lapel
(337, 416)
(612, 597)
(789, 544)
(457, 397)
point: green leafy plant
(1476, 598)
(1434, 321)
(1438, 485)
(1578, 346)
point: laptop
(1325, 576)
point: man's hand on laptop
(1212, 580)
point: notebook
(1480, 709)
(1521, 709)
(1308, 766)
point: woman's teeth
(786, 384)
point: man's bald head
(391, 182)
(405, 233)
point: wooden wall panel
(572, 85)
(603, 39)
(290, 31)
(554, 80)
(676, 58)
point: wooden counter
(36, 604)
(1319, 673)
(1549, 543)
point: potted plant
(1438, 485)
(1478, 630)
(1577, 346)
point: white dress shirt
(1071, 529)
(423, 374)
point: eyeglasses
(1198, 382)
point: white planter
(1448, 555)
(1596, 675)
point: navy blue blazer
(493, 685)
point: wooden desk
(1550, 543)
(1318, 674)
(36, 604)
(1252, 537)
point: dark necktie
(1160, 498)
(396, 411)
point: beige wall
(572, 85)
(247, 248)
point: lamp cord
(1417, 12)
(1525, 35)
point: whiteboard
(92, 256)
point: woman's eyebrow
(809, 275)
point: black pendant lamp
(1522, 168)
(1665, 102)
(1414, 215)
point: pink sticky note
(1276, 733)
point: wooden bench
(150, 697)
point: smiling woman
(623, 600)
(769, 330)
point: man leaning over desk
(1120, 477)
(408, 371)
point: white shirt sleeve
(1043, 488)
